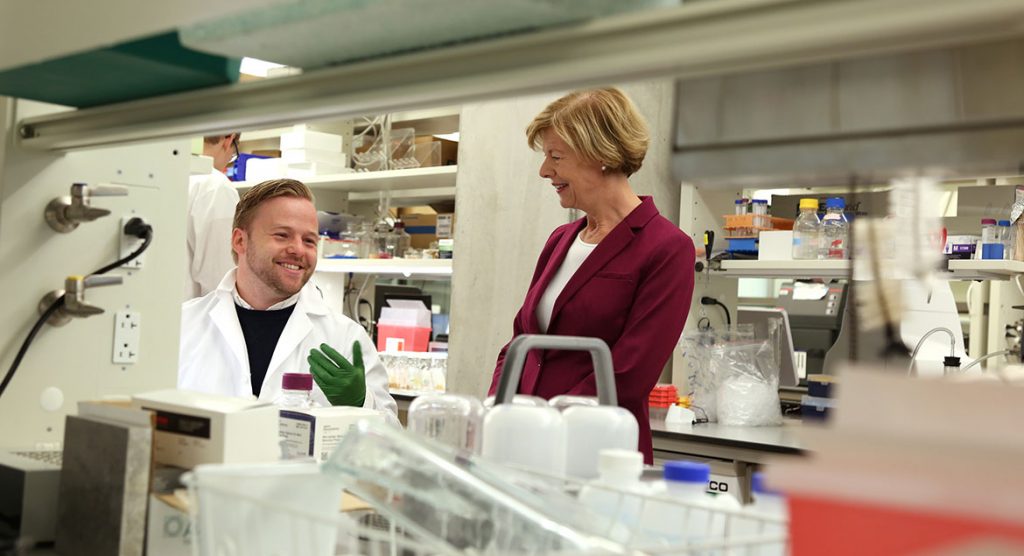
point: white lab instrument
(194, 428)
(213, 356)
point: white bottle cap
(620, 465)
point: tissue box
(392, 338)
(316, 432)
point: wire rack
(432, 500)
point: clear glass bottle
(807, 231)
(403, 239)
(296, 389)
(381, 237)
(741, 206)
(835, 230)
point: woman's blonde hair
(601, 125)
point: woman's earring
(604, 168)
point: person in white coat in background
(266, 318)
(211, 210)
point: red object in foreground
(841, 527)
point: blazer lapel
(610, 246)
(553, 264)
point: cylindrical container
(404, 239)
(609, 495)
(991, 246)
(835, 230)
(760, 209)
(446, 248)
(590, 429)
(741, 206)
(295, 391)
(807, 231)
(522, 435)
(1006, 238)
(451, 419)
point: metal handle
(96, 281)
(515, 359)
(107, 191)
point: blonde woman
(623, 273)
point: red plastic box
(411, 338)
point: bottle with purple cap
(296, 389)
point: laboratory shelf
(430, 178)
(403, 267)
(409, 197)
(785, 269)
(984, 269)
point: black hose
(712, 301)
(135, 226)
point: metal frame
(694, 39)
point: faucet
(63, 214)
(74, 298)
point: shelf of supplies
(408, 197)
(404, 267)
(984, 269)
(786, 269)
(434, 177)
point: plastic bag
(701, 381)
(748, 384)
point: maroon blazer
(633, 291)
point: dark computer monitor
(381, 295)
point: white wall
(77, 358)
(506, 212)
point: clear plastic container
(741, 206)
(1006, 238)
(759, 207)
(687, 483)
(403, 239)
(450, 419)
(295, 391)
(807, 231)
(451, 500)
(619, 470)
(835, 230)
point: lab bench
(733, 452)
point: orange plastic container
(742, 225)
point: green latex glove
(342, 382)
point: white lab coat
(212, 356)
(211, 210)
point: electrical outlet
(129, 244)
(126, 336)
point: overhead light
(257, 67)
(449, 136)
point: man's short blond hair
(262, 192)
(601, 125)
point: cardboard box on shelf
(434, 151)
(446, 226)
(422, 229)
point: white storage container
(301, 137)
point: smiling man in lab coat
(266, 319)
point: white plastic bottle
(685, 515)
(617, 493)
(835, 230)
(295, 391)
(771, 504)
(806, 231)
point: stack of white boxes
(304, 154)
